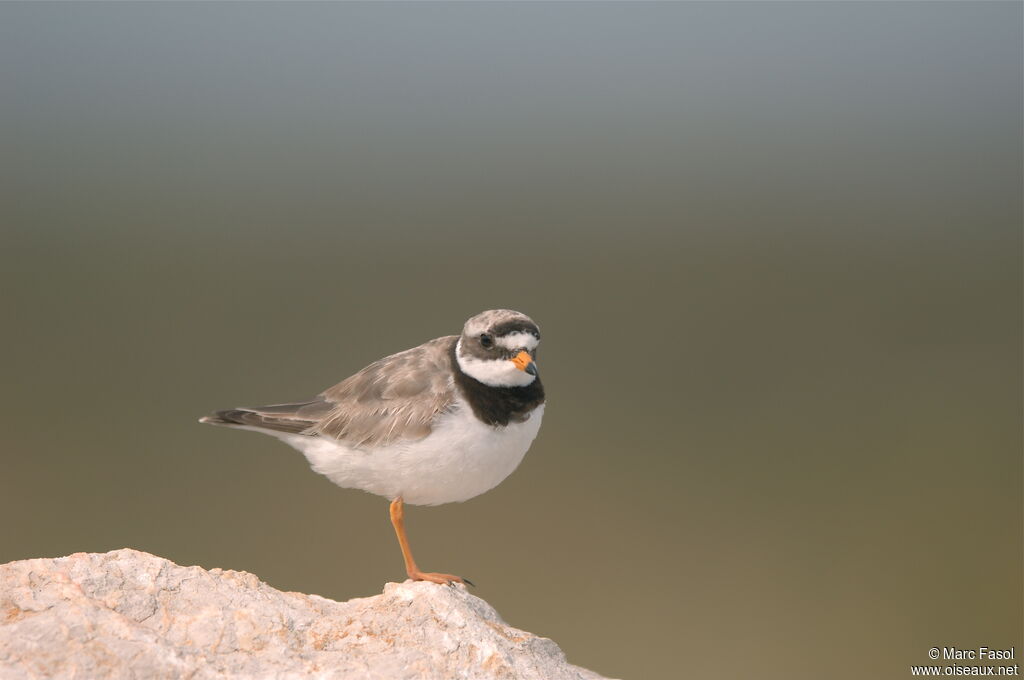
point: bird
(442, 422)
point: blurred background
(774, 248)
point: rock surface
(128, 614)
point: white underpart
(518, 340)
(461, 458)
(493, 372)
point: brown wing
(392, 399)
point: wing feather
(395, 398)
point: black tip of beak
(531, 368)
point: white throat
(492, 372)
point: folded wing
(396, 398)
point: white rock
(128, 614)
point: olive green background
(774, 249)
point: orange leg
(398, 520)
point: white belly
(461, 458)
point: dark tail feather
(279, 417)
(231, 416)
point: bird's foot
(433, 577)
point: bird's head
(498, 347)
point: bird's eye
(486, 341)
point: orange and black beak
(524, 362)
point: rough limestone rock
(128, 614)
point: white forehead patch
(518, 340)
(493, 372)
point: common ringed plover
(439, 423)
